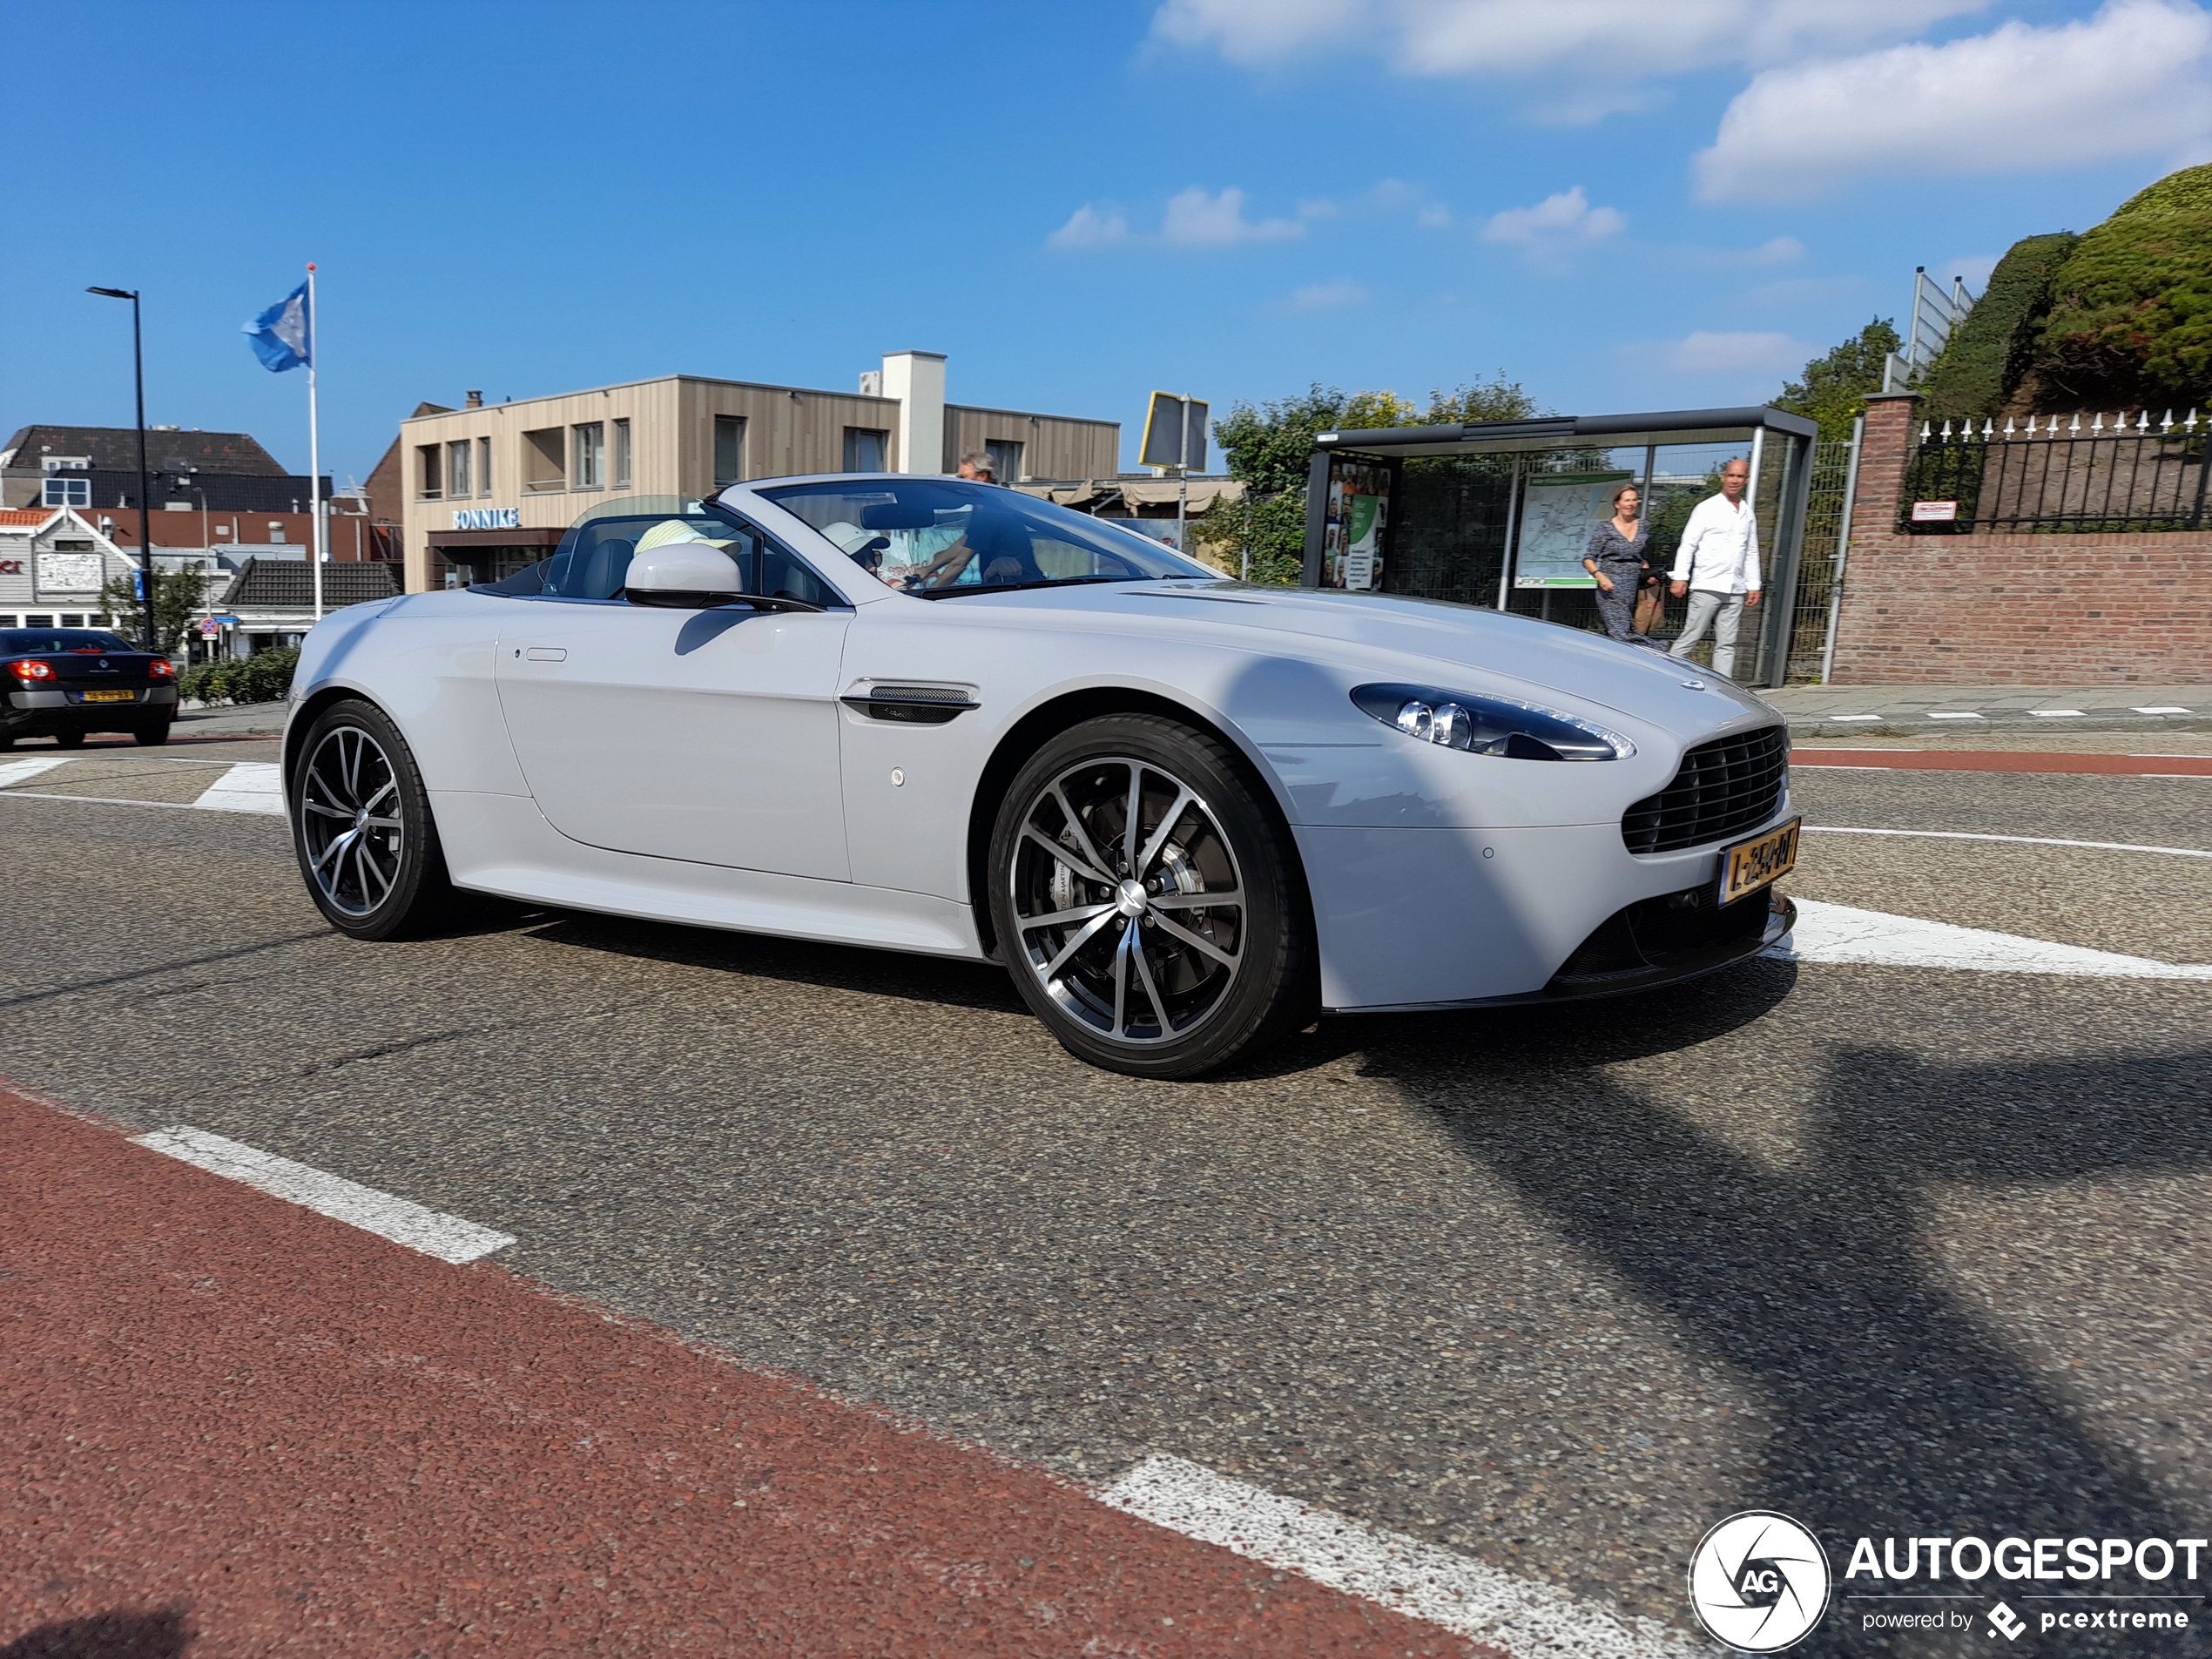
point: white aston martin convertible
(917, 714)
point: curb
(1905, 726)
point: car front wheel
(362, 827)
(1148, 902)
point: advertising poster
(1359, 514)
(1558, 513)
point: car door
(710, 736)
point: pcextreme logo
(1759, 1581)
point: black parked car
(62, 682)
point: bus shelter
(1500, 513)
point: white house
(53, 565)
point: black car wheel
(1147, 901)
(362, 827)
(153, 733)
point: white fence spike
(1925, 431)
(2076, 426)
(2008, 425)
(2142, 421)
(1988, 427)
(2166, 425)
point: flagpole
(314, 454)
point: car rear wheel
(1148, 902)
(153, 733)
(362, 827)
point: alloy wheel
(349, 821)
(1128, 902)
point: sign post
(1175, 436)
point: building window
(544, 465)
(457, 459)
(864, 447)
(1006, 460)
(430, 473)
(66, 492)
(46, 621)
(622, 454)
(69, 621)
(483, 466)
(589, 471)
(729, 449)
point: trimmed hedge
(1985, 360)
(2130, 323)
(263, 678)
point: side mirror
(684, 576)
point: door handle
(548, 654)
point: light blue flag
(279, 334)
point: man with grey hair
(1717, 566)
(978, 466)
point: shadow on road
(1893, 1409)
(110, 1635)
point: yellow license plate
(1748, 866)
(109, 697)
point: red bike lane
(234, 1427)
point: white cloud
(1780, 250)
(1612, 44)
(1556, 226)
(1324, 296)
(1708, 353)
(1087, 226)
(1434, 216)
(2129, 81)
(1806, 291)
(1197, 219)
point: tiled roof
(26, 517)
(276, 585)
(114, 448)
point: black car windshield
(944, 537)
(30, 642)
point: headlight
(1489, 726)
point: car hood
(1430, 636)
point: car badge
(1694, 686)
(102, 662)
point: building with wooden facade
(489, 488)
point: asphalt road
(1891, 1250)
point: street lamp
(146, 533)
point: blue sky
(1623, 205)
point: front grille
(1724, 788)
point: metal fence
(2064, 478)
(1812, 618)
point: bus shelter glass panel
(1450, 540)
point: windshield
(25, 642)
(943, 538)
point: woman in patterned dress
(1615, 559)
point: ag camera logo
(1759, 1581)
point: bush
(263, 678)
(2130, 323)
(1987, 356)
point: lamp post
(146, 533)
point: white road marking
(1969, 715)
(403, 1221)
(1854, 716)
(1837, 934)
(2162, 709)
(1525, 1618)
(249, 786)
(22, 771)
(2057, 714)
(2024, 840)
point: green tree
(179, 599)
(1835, 387)
(1986, 356)
(2130, 322)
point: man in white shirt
(1718, 567)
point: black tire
(356, 782)
(69, 740)
(153, 734)
(1137, 976)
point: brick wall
(1998, 609)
